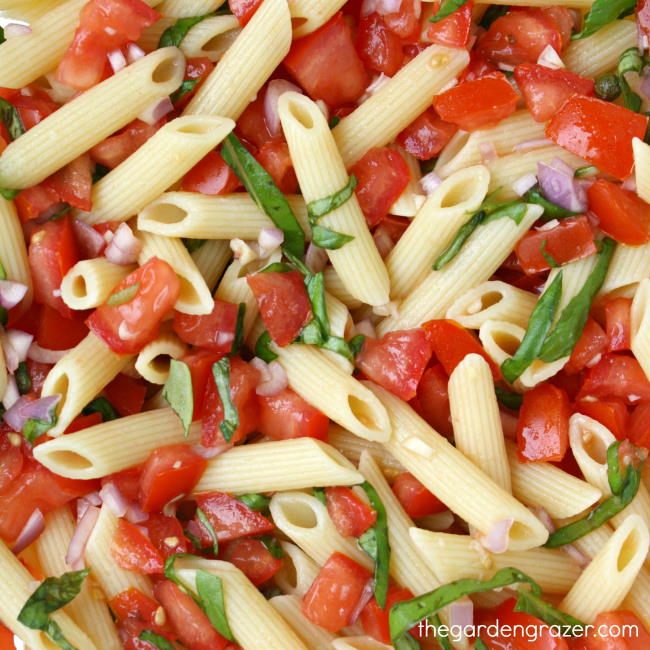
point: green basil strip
(123, 296)
(4, 316)
(615, 477)
(263, 348)
(272, 546)
(239, 329)
(201, 516)
(631, 100)
(221, 374)
(33, 428)
(315, 284)
(257, 502)
(539, 324)
(185, 87)
(319, 493)
(379, 544)
(356, 343)
(178, 393)
(156, 640)
(196, 542)
(265, 193)
(550, 260)
(23, 380)
(320, 207)
(8, 194)
(178, 31)
(631, 60)
(535, 606)
(509, 398)
(551, 211)
(338, 345)
(3, 272)
(329, 239)
(2, 35)
(276, 267)
(404, 615)
(515, 210)
(169, 570)
(446, 9)
(99, 173)
(589, 170)
(602, 13)
(64, 210)
(49, 596)
(334, 121)
(568, 328)
(480, 645)
(210, 590)
(459, 240)
(193, 245)
(102, 406)
(493, 12)
(10, 117)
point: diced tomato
(611, 413)
(405, 22)
(639, 429)
(37, 374)
(591, 344)
(214, 332)
(396, 361)
(34, 201)
(416, 500)
(126, 394)
(598, 131)
(82, 422)
(619, 630)
(393, 226)
(335, 592)
(200, 363)
(52, 253)
(621, 213)
(616, 375)
(546, 89)
(58, 333)
(452, 343)
(274, 157)
(133, 551)
(230, 517)
(287, 415)
(244, 9)
(132, 603)
(432, 400)
(210, 176)
(117, 148)
(374, 619)
(166, 534)
(169, 472)
(187, 619)
(520, 37)
(326, 64)
(381, 176)
(563, 18)
(251, 125)
(34, 105)
(283, 303)
(251, 557)
(379, 48)
(477, 104)
(11, 462)
(617, 324)
(127, 327)
(426, 136)
(127, 482)
(478, 67)
(572, 239)
(351, 516)
(199, 68)
(104, 25)
(130, 629)
(73, 183)
(454, 30)
(543, 425)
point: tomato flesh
(214, 332)
(274, 157)
(432, 399)
(618, 630)
(252, 558)
(117, 148)
(200, 363)
(351, 516)
(611, 413)
(639, 429)
(166, 534)
(133, 551)
(426, 136)
(287, 415)
(454, 30)
(211, 176)
(618, 324)
(379, 48)
(126, 394)
(416, 499)
(591, 344)
(616, 375)
(58, 333)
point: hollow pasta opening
(167, 213)
(490, 299)
(160, 363)
(302, 115)
(166, 70)
(363, 412)
(506, 341)
(200, 127)
(61, 386)
(297, 21)
(219, 43)
(520, 532)
(594, 446)
(460, 192)
(288, 573)
(188, 293)
(78, 287)
(299, 514)
(69, 459)
(629, 550)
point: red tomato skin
(426, 136)
(287, 415)
(382, 175)
(543, 425)
(251, 125)
(478, 67)
(166, 534)
(58, 333)
(432, 400)
(621, 213)
(454, 30)
(126, 394)
(231, 518)
(200, 363)
(275, 158)
(214, 332)
(132, 551)
(617, 324)
(117, 148)
(351, 516)
(132, 603)
(33, 201)
(37, 373)
(639, 429)
(405, 22)
(84, 422)
(618, 630)
(572, 239)
(477, 104)
(283, 303)
(591, 344)
(243, 381)
(167, 473)
(379, 48)
(211, 176)
(585, 127)
(127, 482)
(546, 89)
(416, 500)
(199, 68)
(616, 375)
(158, 291)
(244, 9)
(374, 620)
(187, 619)
(252, 558)
(52, 253)
(396, 361)
(335, 592)
(73, 183)
(326, 64)
(611, 413)
(33, 106)
(11, 462)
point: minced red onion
(549, 58)
(156, 110)
(15, 345)
(112, 498)
(274, 91)
(576, 554)
(496, 541)
(124, 247)
(629, 183)
(11, 30)
(273, 377)
(31, 530)
(430, 182)
(24, 409)
(461, 614)
(117, 60)
(383, 241)
(364, 599)
(74, 556)
(544, 517)
(90, 499)
(89, 240)
(43, 355)
(11, 395)
(269, 240)
(488, 151)
(245, 253)
(210, 452)
(524, 183)
(135, 514)
(134, 52)
(366, 328)
(11, 293)
(315, 258)
(556, 180)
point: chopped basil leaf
(123, 296)
(196, 542)
(4, 316)
(615, 477)
(329, 239)
(10, 117)
(509, 398)
(515, 210)
(459, 240)
(315, 284)
(2, 35)
(569, 326)
(177, 391)
(193, 245)
(493, 12)
(33, 428)
(446, 9)
(539, 324)
(23, 380)
(254, 501)
(210, 590)
(272, 546)
(239, 329)
(265, 193)
(480, 645)
(550, 260)
(427, 166)
(277, 267)
(49, 596)
(185, 87)
(201, 516)
(263, 348)
(156, 640)
(3, 272)
(311, 333)
(320, 207)
(64, 210)
(99, 173)
(102, 406)
(169, 571)
(338, 345)
(602, 13)
(8, 194)
(608, 87)
(375, 542)
(442, 634)
(532, 604)
(631, 100)
(178, 31)
(319, 493)
(631, 60)
(356, 343)
(590, 170)
(334, 121)
(551, 211)
(221, 374)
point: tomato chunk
(58, 333)
(117, 148)
(374, 619)
(127, 482)
(251, 557)
(405, 20)
(416, 500)
(426, 136)
(543, 425)
(200, 363)
(599, 132)
(166, 534)
(619, 630)
(73, 182)
(617, 324)
(11, 462)
(335, 592)
(132, 603)
(244, 9)
(616, 375)
(432, 399)
(639, 430)
(214, 332)
(34, 201)
(274, 157)
(133, 551)
(454, 30)
(351, 516)
(379, 48)
(211, 175)
(587, 351)
(611, 413)
(287, 415)
(126, 394)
